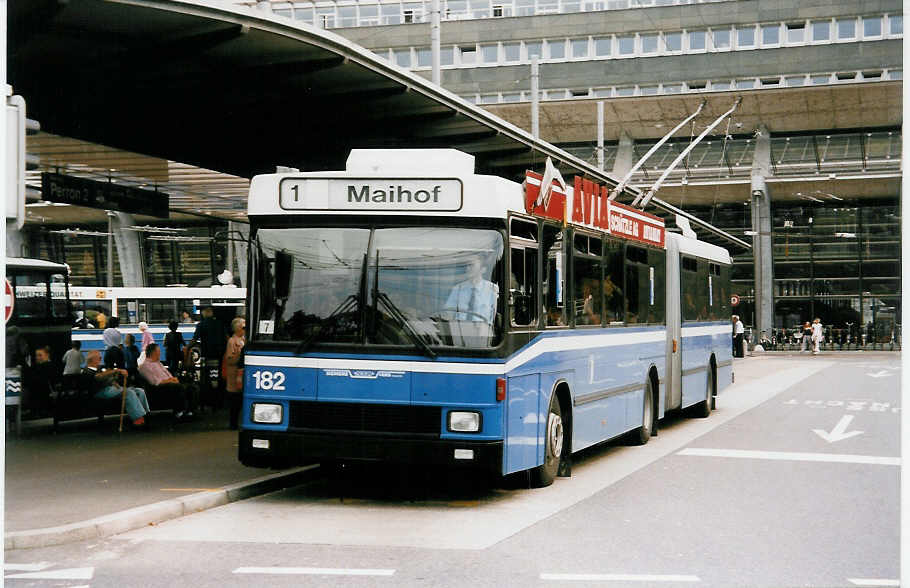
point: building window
(846, 28)
(796, 32)
(347, 16)
(569, 6)
(456, 8)
(896, 23)
(480, 8)
(720, 38)
(602, 92)
(745, 37)
(424, 57)
(533, 48)
(603, 46)
(720, 86)
(649, 43)
(304, 14)
(626, 91)
(820, 79)
(513, 97)
(490, 53)
(821, 30)
(369, 15)
(557, 49)
(391, 14)
(696, 40)
(498, 11)
(745, 84)
(769, 82)
(446, 56)
(511, 52)
(795, 81)
(648, 90)
(468, 55)
(403, 57)
(626, 45)
(770, 35)
(872, 27)
(672, 88)
(673, 41)
(579, 48)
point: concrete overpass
(239, 91)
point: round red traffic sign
(734, 300)
(9, 299)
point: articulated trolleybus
(407, 310)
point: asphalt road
(793, 481)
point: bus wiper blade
(346, 305)
(399, 316)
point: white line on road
(24, 567)
(67, 574)
(621, 577)
(873, 582)
(791, 456)
(315, 571)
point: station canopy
(240, 91)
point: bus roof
(694, 247)
(39, 264)
(389, 181)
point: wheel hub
(554, 434)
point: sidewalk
(84, 482)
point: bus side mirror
(284, 269)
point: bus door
(674, 328)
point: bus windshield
(409, 286)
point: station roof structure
(237, 91)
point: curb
(158, 512)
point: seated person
(162, 380)
(105, 383)
(587, 316)
(475, 298)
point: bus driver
(475, 298)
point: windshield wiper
(396, 313)
(353, 301)
(399, 316)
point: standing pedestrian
(806, 338)
(173, 347)
(146, 336)
(739, 332)
(817, 336)
(233, 369)
(212, 338)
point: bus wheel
(641, 435)
(702, 410)
(544, 474)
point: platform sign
(105, 195)
(8, 301)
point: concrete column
(128, 252)
(16, 241)
(625, 156)
(762, 240)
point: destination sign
(105, 195)
(374, 194)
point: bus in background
(409, 310)
(37, 293)
(155, 306)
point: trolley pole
(434, 41)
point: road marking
(24, 567)
(621, 577)
(188, 489)
(880, 374)
(791, 456)
(873, 582)
(838, 433)
(315, 571)
(66, 574)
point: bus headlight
(266, 413)
(464, 422)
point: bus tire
(642, 434)
(554, 439)
(702, 410)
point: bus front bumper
(281, 449)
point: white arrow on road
(881, 374)
(837, 433)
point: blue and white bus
(156, 306)
(409, 310)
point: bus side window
(554, 276)
(612, 286)
(657, 262)
(638, 285)
(689, 288)
(523, 286)
(586, 281)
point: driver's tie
(472, 300)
